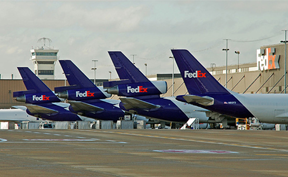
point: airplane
(85, 98)
(41, 101)
(142, 96)
(206, 92)
(16, 115)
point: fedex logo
(267, 59)
(139, 89)
(40, 98)
(85, 94)
(197, 74)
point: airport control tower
(44, 59)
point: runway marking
(113, 141)
(60, 139)
(203, 141)
(2, 140)
(195, 151)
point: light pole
(146, 69)
(285, 70)
(213, 65)
(110, 74)
(226, 60)
(238, 52)
(172, 76)
(64, 79)
(94, 68)
(133, 58)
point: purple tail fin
(197, 79)
(32, 82)
(126, 69)
(74, 75)
(37, 91)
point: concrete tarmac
(143, 153)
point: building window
(45, 54)
(280, 88)
(45, 62)
(45, 72)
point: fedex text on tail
(196, 74)
(139, 89)
(85, 94)
(40, 98)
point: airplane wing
(34, 109)
(63, 105)
(284, 115)
(24, 108)
(205, 100)
(82, 106)
(111, 101)
(133, 103)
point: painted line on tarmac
(202, 141)
(195, 151)
(113, 141)
(2, 140)
(61, 139)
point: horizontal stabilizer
(36, 109)
(21, 93)
(64, 88)
(80, 106)
(110, 84)
(133, 103)
(205, 100)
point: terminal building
(265, 75)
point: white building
(44, 59)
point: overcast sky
(86, 30)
